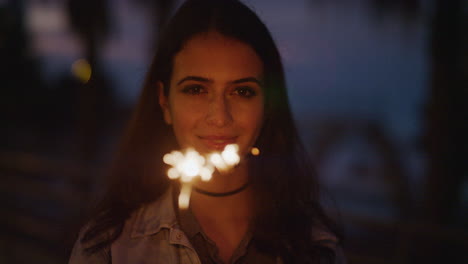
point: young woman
(216, 79)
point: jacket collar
(150, 219)
(155, 216)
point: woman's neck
(237, 204)
(223, 182)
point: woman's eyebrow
(206, 80)
(195, 78)
(248, 79)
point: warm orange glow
(255, 151)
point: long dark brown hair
(282, 176)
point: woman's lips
(217, 142)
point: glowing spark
(189, 166)
(255, 151)
(230, 155)
(206, 172)
(218, 161)
(184, 196)
(172, 173)
(186, 166)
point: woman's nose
(219, 112)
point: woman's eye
(193, 89)
(245, 91)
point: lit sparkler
(186, 166)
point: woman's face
(215, 95)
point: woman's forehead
(216, 56)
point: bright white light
(172, 173)
(205, 173)
(189, 167)
(184, 196)
(218, 161)
(230, 155)
(169, 159)
(191, 164)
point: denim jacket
(153, 235)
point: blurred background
(378, 88)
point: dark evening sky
(340, 61)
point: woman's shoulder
(80, 254)
(145, 220)
(151, 217)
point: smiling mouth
(216, 142)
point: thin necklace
(238, 190)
